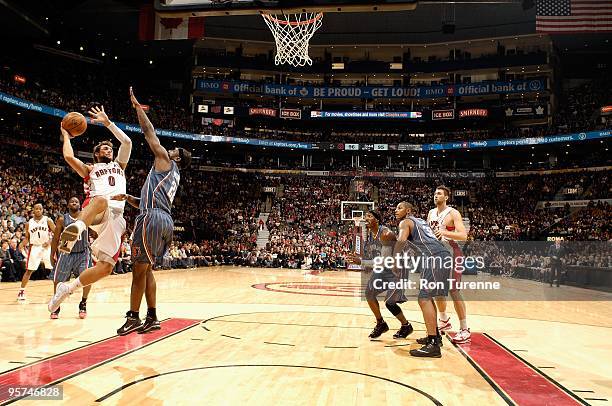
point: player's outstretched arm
(98, 115)
(74, 162)
(132, 200)
(162, 160)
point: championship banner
(202, 108)
(292, 114)
(262, 111)
(473, 113)
(228, 110)
(443, 114)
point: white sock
(22, 289)
(75, 284)
(442, 316)
(463, 324)
(81, 226)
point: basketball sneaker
(55, 314)
(70, 236)
(404, 331)
(380, 328)
(444, 325)
(150, 324)
(462, 337)
(429, 350)
(82, 310)
(61, 293)
(423, 341)
(130, 325)
(21, 295)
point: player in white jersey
(105, 178)
(38, 239)
(447, 224)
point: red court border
(519, 381)
(64, 366)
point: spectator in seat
(7, 269)
(19, 261)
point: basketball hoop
(292, 33)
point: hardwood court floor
(252, 336)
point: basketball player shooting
(154, 225)
(105, 178)
(447, 225)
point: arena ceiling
(110, 20)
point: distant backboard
(351, 210)
(180, 8)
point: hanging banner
(372, 92)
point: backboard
(198, 8)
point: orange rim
(293, 23)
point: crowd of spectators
(577, 111)
(219, 210)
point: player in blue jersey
(434, 263)
(154, 226)
(76, 261)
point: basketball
(75, 123)
(388, 236)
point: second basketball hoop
(292, 34)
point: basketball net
(292, 33)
